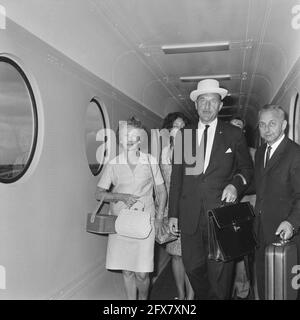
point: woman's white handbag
(134, 222)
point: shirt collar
(213, 124)
(276, 144)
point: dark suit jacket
(191, 196)
(278, 187)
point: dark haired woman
(174, 122)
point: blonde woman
(130, 175)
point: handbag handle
(93, 215)
(154, 185)
(139, 205)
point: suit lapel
(195, 142)
(195, 145)
(259, 161)
(279, 152)
(190, 136)
(217, 143)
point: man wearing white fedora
(224, 171)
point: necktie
(202, 150)
(268, 155)
(171, 141)
(205, 139)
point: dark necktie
(268, 155)
(203, 142)
(171, 141)
(205, 138)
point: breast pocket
(226, 161)
(228, 152)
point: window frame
(296, 121)
(34, 116)
(96, 101)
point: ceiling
(258, 32)
(126, 38)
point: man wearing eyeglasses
(277, 181)
(221, 172)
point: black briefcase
(230, 232)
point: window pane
(93, 123)
(17, 121)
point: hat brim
(196, 93)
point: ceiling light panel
(198, 78)
(195, 47)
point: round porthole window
(18, 121)
(95, 150)
(294, 118)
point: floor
(164, 287)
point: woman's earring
(138, 151)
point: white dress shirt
(210, 139)
(274, 146)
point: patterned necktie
(268, 155)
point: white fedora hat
(208, 86)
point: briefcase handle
(281, 242)
(93, 215)
(224, 203)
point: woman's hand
(129, 199)
(173, 225)
(158, 224)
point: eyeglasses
(264, 126)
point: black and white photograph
(149, 150)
